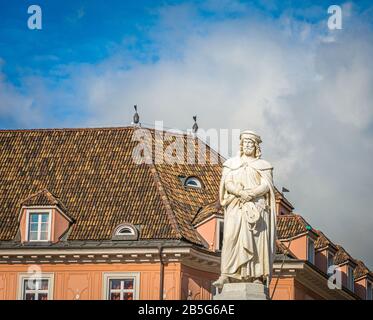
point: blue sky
(73, 32)
(77, 33)
(89, 31)
(272, 66)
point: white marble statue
(247, 195)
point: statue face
(248, 146)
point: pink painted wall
(282, 288)
(360, 288)
(60, 225)
(196, 284)
(208, 231)
(86, 280)
(303, 293)
(321, 260)
(298, 246)
(344, 271)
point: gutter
(161, 273)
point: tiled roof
(323, 241)
(208, 210)
(43, 198)
(92, 173)
(361, 270)
(291, 225)
(342, 256)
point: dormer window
(311, 251)
(43, 218)
(125, 231)
(193, 182)
(39, 225)
(330, 262)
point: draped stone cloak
(248, 249)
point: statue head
(249, 144)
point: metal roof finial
(195, 125)
(136, 117)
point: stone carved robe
(248, 248)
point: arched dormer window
(193, 182)
(125, 231)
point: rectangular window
(35, 287)
(121, 289)
(350, 279)
(311, 251)
(38, 226)
(122, 286)
(369, 291)
(219, 233)
(330, 262)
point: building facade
(79, 219)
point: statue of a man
(247, 195)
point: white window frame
(43, 276)
(309, 240)
(118, 232)
(107, 276)
(329, 258)
(196, 180)
(41, 211)
(217, 237)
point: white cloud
(14, 104)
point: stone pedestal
(242, 291)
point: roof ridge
(196, 215)
(342, 251)
(39, 192)
(288, 215)
(67, 129)
(170, 214)
(53, 198)
(322, 234)
(170, 210)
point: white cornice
(110, 255)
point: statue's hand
(252, 194)
(245, 195)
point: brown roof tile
(291, 225)
(43, 198)
(323, 241)
(92, 173)
(208, 210)
(342, 256)
(361, 270)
